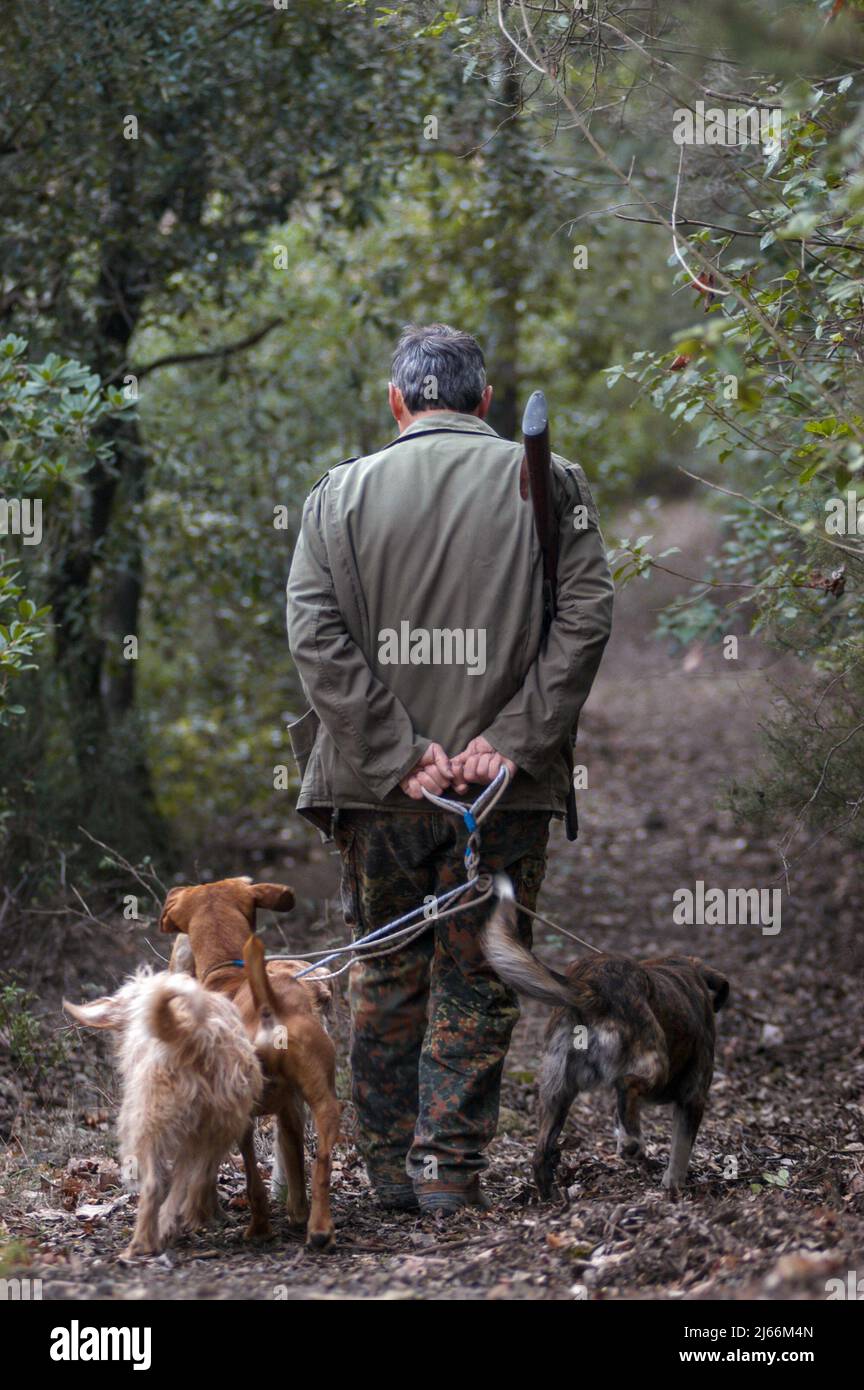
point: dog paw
(137, 1251)
(671, 1186)
(630, 1147)
(651, 1165)
(546, 1175)
(321, 1240)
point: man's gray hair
(438, 368)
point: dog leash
(547, 922)
(406, 929)
(473, 815)
(482, 883)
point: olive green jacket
(415, 611)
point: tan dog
(282, 1017)
(191, 1080)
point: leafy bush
(772, 378)
(31, 1052)
(50, 412)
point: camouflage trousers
(431, 1022)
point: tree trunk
(505, 170)
(98, 577)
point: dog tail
(165, 1021)
(513, 962)
(256, 974)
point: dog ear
(717, 984)
(101, 1013)
(317, 982)
(171, 919)
(274, 896)
(719, 987)
(320, 986)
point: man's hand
(478, 763)
(432, 772)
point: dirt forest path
(775, 1203)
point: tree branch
(173, 359)
(722, 280)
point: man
(415, 616)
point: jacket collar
(451, 420)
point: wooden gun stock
(538, 464)
(538, 459)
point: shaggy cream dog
(191, 1081)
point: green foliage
(775, 393)
(14, 1255)
(32, 1053)
(771, 378)
(232, 440)
(50, 414)
(186, 178)
(147, 161)
(631, 559)
(18, 637)
(811, 777)
(148, 150)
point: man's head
(436, 367)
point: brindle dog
(645, 1027)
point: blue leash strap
(382, 932)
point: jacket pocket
(303, 733)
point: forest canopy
(216, 219)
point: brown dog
(645, 1027)
(282, 1017)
